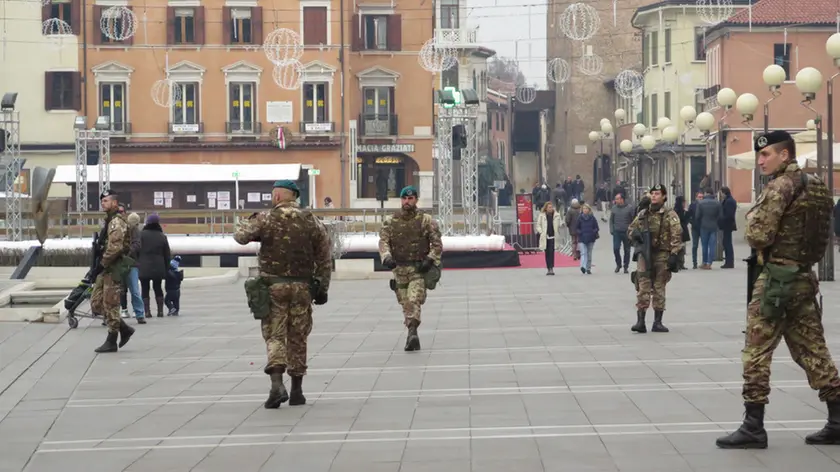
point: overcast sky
(502, 24)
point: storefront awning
(184, 173)
(806, 145)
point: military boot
(296, 395)
(159, 302)
(830, 434)
(126, 332)
(751, 434)
(278, 394)
(412, 340)
(110, 344)
(639, 327)
(658, 327)
(147, 308)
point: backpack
(817, 208)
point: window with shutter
(185, 110)
(241, 110)
(241, 27)
(449, 14)
(184, 26)
(114, 25)
(314, 25)
(112, 103)
(375, 32)
(59, 91)
(315, 103)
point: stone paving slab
(518, 371)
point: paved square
(518, 372)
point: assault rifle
(97, 251)
(753, 270)
(643, 246)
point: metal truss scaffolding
(89, 142)
(10, 125)
(447, 118)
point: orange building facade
(229, 108)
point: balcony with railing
(378, 125)
(457, 37)
(312, 128)
(120, 128)
(185, 129)
(246, 128)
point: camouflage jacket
(777, 225)
(118, 243)
(665, 229)
(410, 236)
(293, 243)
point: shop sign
(385, 148)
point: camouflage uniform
(665, 242)
(294, 249)
(409, 238)
(105, 299)
(779, 227)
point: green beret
(288, 184)
(409, 191)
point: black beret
(108, 193)
(659, 188)
(773, 137)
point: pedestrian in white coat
(549, 233)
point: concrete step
(39, 297)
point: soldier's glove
(674, 263)
(253, 215)
(389, 263)
(426, 265)
(320, 298)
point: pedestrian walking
(548, 227)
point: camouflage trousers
(287, 327)
(105, 300)
(654, 289)
(411, 293)
(802, 330)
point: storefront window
(391, 171)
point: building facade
(738, 51)
(42, 67)
(499, 127)
(230, 108)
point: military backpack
(818, 208)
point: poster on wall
(253, 196)
(223, 196)
(167, 203)
(167, 195)
(190, 198)
(211, 195)
(158, 201)
(224, 205)
(211, 203)
(525, 213)
(266, 197)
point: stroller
(83, 291)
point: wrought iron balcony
(120, 128)
(243, 127)
(457, 37)
(317, 128)
(186, 128)
(378, 125)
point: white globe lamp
(648, 142)
(774, 76)
(670, 134)
(620, 115)
(809, 81)
(663, 122)
(688, 114)
(747, 104)
(606, 128)
(726, 97)
(811, 125)
(832, 47)
(639, 130)
(594, 136)
(705, 121)
(604, 120)
(626, 146)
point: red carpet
(537, 261)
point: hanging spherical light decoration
(283, 46)
(629, 83)
(165, 93)
(579, 21)
(590, 64)
(58, 32)
(118, 23)
(715, 11)
(288, 76)
(558, 70)
(526, 94)
(435, 57)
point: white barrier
(226, 244)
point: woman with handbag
(548, 227)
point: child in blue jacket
(172, 284)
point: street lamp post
(639, 130)
(809, 81)
(688, 114)
(774, 76)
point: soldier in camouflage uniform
(789, 230)
(410, 245)
(105, 298)
(295, 259)
(665, 242)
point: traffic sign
(314, 171)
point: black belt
(279, 280)
(409, 263)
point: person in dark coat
(708, 215)
(586, 228)
(174, 277)
(695, 227)
(685, 217)
(727, 224)
(154, 262)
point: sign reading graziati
(385, 148)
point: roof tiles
(787, 12)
